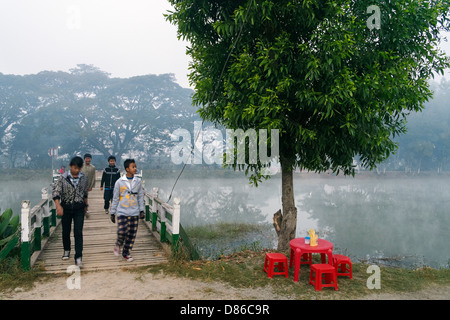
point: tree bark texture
(285, 222)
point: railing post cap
(25, 204)
(176, 201)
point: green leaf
(5, 218)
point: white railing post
(154, 208)
(47, 213)
(25, 234)
(37, 227)
(162, 214)
(176, 222)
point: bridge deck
(99, 235)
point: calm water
(13, 192)
(403, 221)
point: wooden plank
(99, 236)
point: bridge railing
(36, 224)
(164, 219)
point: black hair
(87, 155)
(127, 162)
(76, 161)
(111, 158)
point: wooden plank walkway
(99, 235)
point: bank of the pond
(245, 270)
(236, 276)
(224, 238)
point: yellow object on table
(313, 238)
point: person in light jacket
(128, 205)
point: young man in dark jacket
(109, 177)
(70, 193)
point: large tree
(335, 77)
(125, 110)
(87, 110)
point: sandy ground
(133, 286)
(136, 286)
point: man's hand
(59, 210)
(113, 218)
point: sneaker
(106, 211)
(66, 255)
(116, 250)
(128, 258)
(87, 214)
(79, 263)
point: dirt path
(137, 286)
(134, 286)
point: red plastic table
(299, 247)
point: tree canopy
(88, 111)
(335, 87)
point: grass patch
(219, 231)
(215, 240)
(245, 270)
(12, 276)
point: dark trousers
(126, 232)
(108, 196)
(78, 220)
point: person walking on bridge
(70, 194)
(109, 177)
(89, 170)
(128, 205)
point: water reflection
(405, 221)
(399, 221)
(396, 221)
(209, 201)
(13, 192)
(214, 201)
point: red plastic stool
(344, 263)
(319, 269)
(269, 264)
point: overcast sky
(123, 38)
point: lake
(398, 221)
(13, 192)
(401, 221)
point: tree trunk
(285, 223)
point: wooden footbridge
(159, 234)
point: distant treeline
(85, 110)
(426, 144)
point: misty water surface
(399, 221)
(14, 191)
(403, 221)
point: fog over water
(14, 191)
(401, 221)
